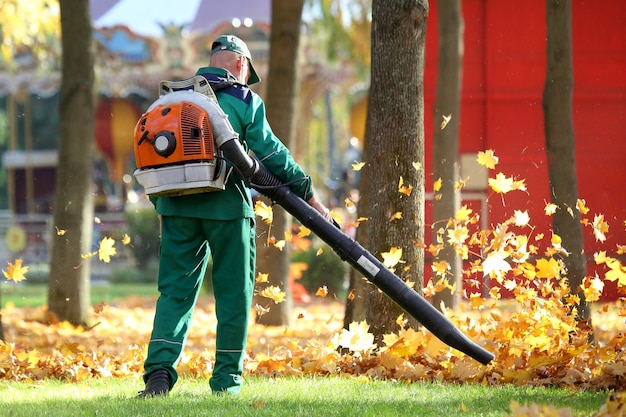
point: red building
(504, 67)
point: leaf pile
(535, 340)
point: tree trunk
(395, 141)
(559, 131)
(282, 91)
(446, 142)
(68, 291)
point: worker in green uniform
(220, 224)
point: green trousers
(186, 244)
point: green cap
(233, 43)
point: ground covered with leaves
(539, 344)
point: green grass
(34, 295)
(306, 396)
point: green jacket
(246, 113)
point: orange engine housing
(173, 134)
(174, 150)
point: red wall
(503, 75)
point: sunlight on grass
(305, 396)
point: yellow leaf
(106, 249)
(494, 292)
(264, 211)
(319, 252)
(446, 120)
(304, 231)
(273, 293)
(440, 268)
(437, 184)
(502, 184)
(458, 185)
(581, 205)
(487, 159)
(15, 272)
(280, 245)
(404, 190)
(550, 209)
(521, 218)
(600, 227)
(458, 235)
(126, 239)
(617, 272)
(357, 338)
(417, 165)
(592, 288)
(260, 278)
(260, 310)
(396, 216)
(496, 265)
(60, 232)
(548, 268)
(391, 258)
(476, 301)
(600, 257)
(356, 166)
(463, 214)
(401, 321)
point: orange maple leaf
(548, 268)
(440, 267)
(404, 190)
(15, 272)
(322, 291)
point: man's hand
(314, 202)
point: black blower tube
(348, 250)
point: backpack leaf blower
(207, 112)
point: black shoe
(158, 384)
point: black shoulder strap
(221, 84)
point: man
(220, 224)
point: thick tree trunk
(395, 141)
(68, 292)
(282, 91)
(559, 131)
(446, 141)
